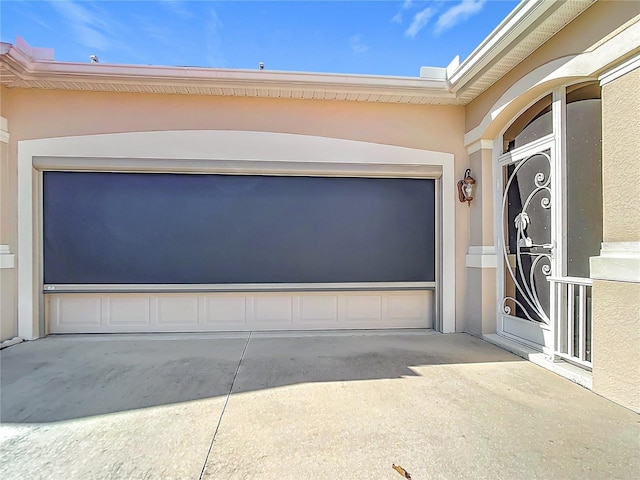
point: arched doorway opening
(549, 222)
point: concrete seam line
(224, 407)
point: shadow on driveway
(64, 377)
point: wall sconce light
(466, 187)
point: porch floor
(280, 406)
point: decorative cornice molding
(480, 145)
(620, 249)
(618, 262)
(481, 256)
(7, 259)
(620, 70)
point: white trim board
(239, 287)
(243, 152)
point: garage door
(127, 252)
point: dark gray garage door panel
(152, 228)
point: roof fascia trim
(525, 16)
(28, 69)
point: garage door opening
(190, 231)
(112, 234)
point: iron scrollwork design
(528, 300)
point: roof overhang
(527, 27)
(21, 71)
(524, 30)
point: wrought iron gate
(527, 243)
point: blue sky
(362, 37)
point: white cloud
(213, 39)
(458, 13)
(420, 20)
(357, 45)
(177, 7)
(158, 33)
(87, 23)
(214, 22)
(397, 18)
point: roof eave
(522, 18)
(27, 72)
(457, 84)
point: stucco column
(481, 257)
(8, 318)
(616, 271)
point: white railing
(571, 319)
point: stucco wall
(38, 113)
(8, 323)
(616, 305)
(616, 342)
(481, 278)
(621, 154)
(8, 320)
(581, 35)
(46, 113)
(481, 209)
(481, 298)
(8, 206)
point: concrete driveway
(295, 407)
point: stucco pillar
(481, 257)
(8, 318)
(616, 271)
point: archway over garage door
(230, 231)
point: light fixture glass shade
(469, 189)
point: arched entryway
(548, 215)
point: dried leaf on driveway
(400, 470)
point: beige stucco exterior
(595, 43)
(481, 300)
(8, 316)
(620, 107)
(616, 342)
(481, 271)
(616, 304)
(37, 114)
(481, 221)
